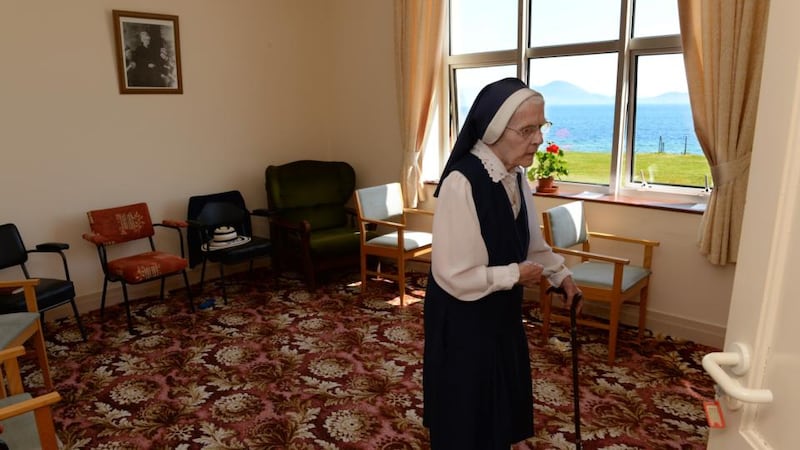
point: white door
(765, 307)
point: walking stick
(576, 399)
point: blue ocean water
(588, 128)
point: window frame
(627, 49)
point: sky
(568, 21)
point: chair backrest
(122, 223)
(317, 191)
(565, 225)
(223, 208)
(12, 249)
(382, 202)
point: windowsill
(642, 202)
(665, 202)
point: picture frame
(148, 53)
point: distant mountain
(564, 93)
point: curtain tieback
(729, 171)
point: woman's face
(522, 136)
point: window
(612, 75)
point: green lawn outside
(661, 168)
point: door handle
(739, 360)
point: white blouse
(459, 257)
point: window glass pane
(555, 22)
(665, 147)
(470, 81)
(579, 94)
(655, 18)
(481, 26)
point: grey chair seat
(11, 326)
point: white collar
(494, 167)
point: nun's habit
(476, 375)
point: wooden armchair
(382, 207)
(27, 420)
(312, 227)
(602, 278)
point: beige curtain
(419, 26)
(723, 49)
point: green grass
(661, 168)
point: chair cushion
(320, 217)
(11, 325)
(413, 239)
(335, 241)
(601, 274)
(146, 266)
(257, 246)
(49, 293)
(20, 431)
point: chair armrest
(418, 211)
(54, 247)
(51, 247)
(29, 405)
(97, 239)
(383, 222)
(647, 245)
(172, 223)
(590, 255)
(262, 212)
(302, 226)
(629, 240)
(28, 286)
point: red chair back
(122, 223)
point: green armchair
(312, 226)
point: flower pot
(546, 185)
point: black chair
(213, 212)
(50, 292)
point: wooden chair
(312, 227)
(382, 208)
(19, 327)
(27, 420)
(602, 278)
(113, 226)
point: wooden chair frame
(34, 331)
(367, 225)
(615, 297)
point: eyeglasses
(529, 131)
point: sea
(660, 128)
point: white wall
(265, 82)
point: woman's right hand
(530, 273)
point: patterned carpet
(282, 368)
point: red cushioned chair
(122, 224)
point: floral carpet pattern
(279, 367)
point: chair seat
(335, 241)
(11, 325)
(599, 274)
(21, 430)
(257, 246)
(50, 292)
(146, 266)
(412, 240)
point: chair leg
(161, 295)
(613, 328)
(41, 354)
(401, 279)
(203, 275)
(188, 291)
(222, 282)
(545, 303)
(127, 307)
(642, 312)
(363, 272)
(78, 319)
(103, 298)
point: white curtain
(723, 49)
(419, 26)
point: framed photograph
(148, 53)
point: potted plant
(548, 164)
